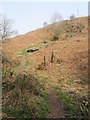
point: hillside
(67, 75)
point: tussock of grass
(75, 106)
(25, 86)
(8, 68)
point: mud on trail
(56, 106)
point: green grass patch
(70, 82)
(39, 45)
(26, 63)
(42, 110)
(6, 70)
(8, 86)
(43, 105)
(44, 95)
(17, 113)
(84, 81)
(73, 105)
(21, 52)
(59, 70)
(25, 83)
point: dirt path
(56, 106)
(22, 64)
(20, 70)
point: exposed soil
(70, 63)
(56, 106)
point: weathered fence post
(44, 61)
(45, 43)
(52, 56)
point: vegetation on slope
(25, 94)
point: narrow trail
(22, 64)
(20, 70)
(56, 106)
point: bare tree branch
(6, 28)
(56, 17)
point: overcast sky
(31, 15)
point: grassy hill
(31, 79)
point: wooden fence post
(52, 56)
(44, 61)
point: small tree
(6, 28)
(56, 18)
(72, 16)
(45, 24)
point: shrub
(56, 33)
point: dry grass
(69, 71)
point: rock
(32, 49)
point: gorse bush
(56, 32)
(62, 30)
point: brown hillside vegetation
(67, 74)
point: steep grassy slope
(68, 73)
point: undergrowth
(75, 106)
(17, 95)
